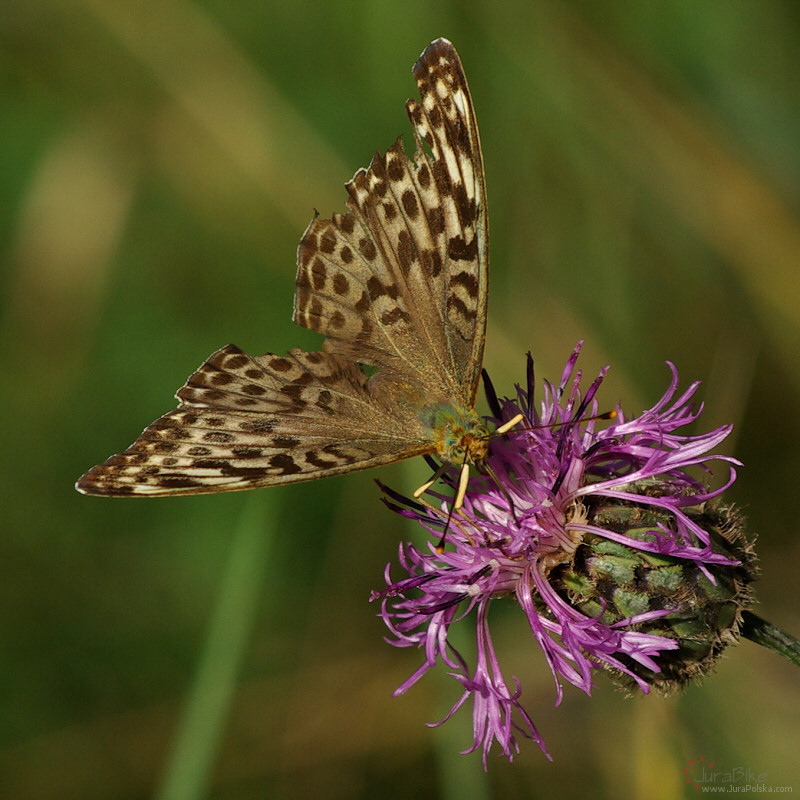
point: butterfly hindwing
(246, 422)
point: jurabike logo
(704, 778)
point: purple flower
(602, 535)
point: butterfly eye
(457, 454)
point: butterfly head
(459, 435)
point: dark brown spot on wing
(363, 304)
(258, 426)
(221, 378)
(318, 274)
(442, 178)
(367, 249)
(211, 463)
(459, 250)
(468, 281)
(431, 263)
(178, 482)
(285, 442)
(218, 437)
(395, 315)
(308, 246)
(164, 447)
(327, 244)
(340, 283)
(377, 289)
(395, 169)
(424, 176)
(234, 362)
(338, 453)
(436, 220)
(247, 452)
(410, 204)
(406, 251)
(457, 304)
(315, 461)
(347, 222)
(285, 463)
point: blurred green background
(159, 161)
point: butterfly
(398, 285)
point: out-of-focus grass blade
(207, 708)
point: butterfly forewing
(398, 282)
(445, 121)
(401, 280)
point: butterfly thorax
(458, 434)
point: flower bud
(617, 582)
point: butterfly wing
(401, 280)
(398, 282)
(246, 422)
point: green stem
(764, 633)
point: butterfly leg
(427, 485)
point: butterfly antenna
(514, 421)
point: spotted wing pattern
(245, 422)
(401, 280)
(398, 282)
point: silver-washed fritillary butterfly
(398, 283)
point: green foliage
(158, 164)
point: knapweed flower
(619, 556)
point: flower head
(617, 555)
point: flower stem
(764, 633)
